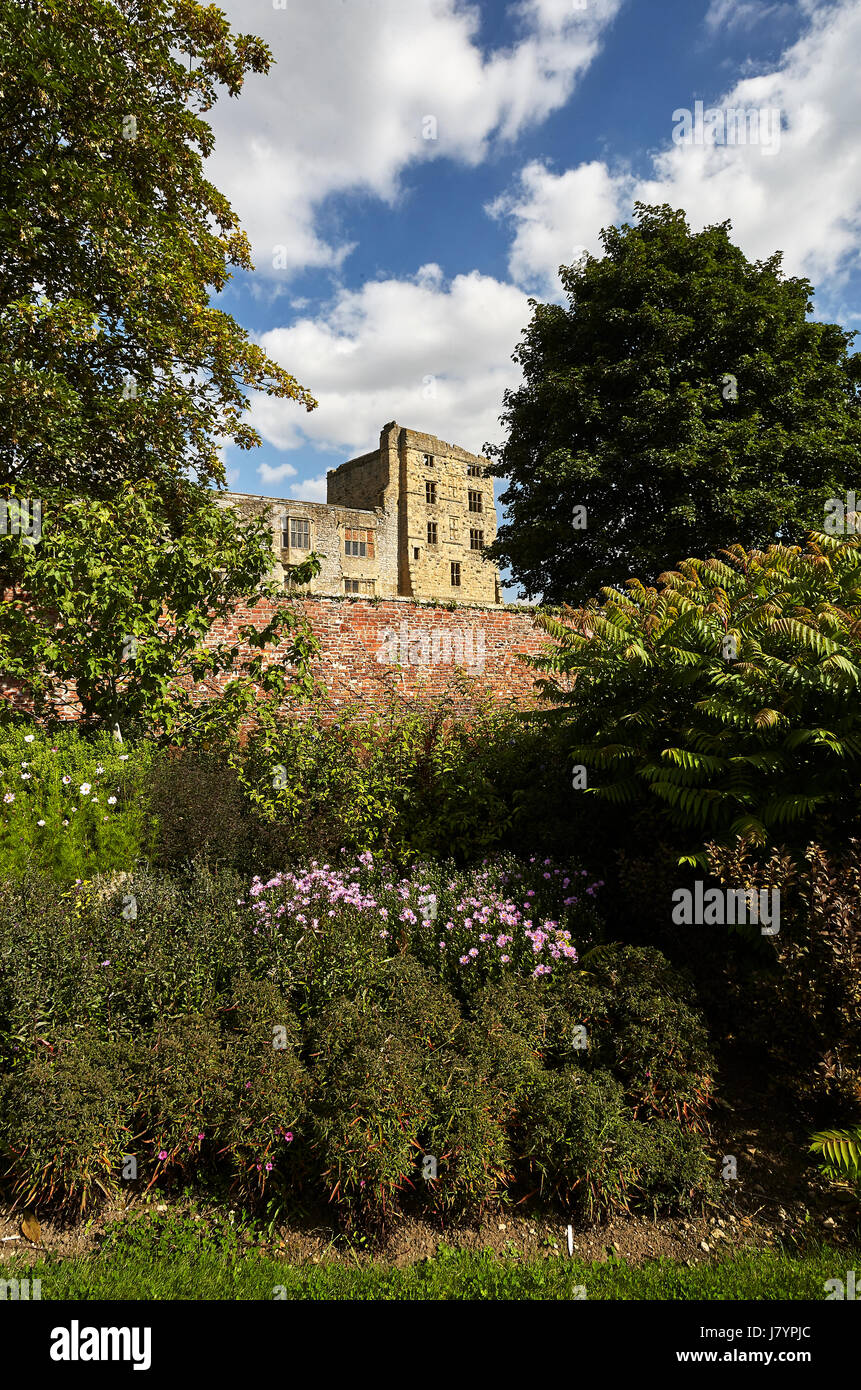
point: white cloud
(744, 14)
(432, 355)
(311, 490)
(344, 107)
(804, 199)
(271, 475)
(557, 215)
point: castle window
(351, 586)
(300, 533)
(455, 574)
(432, 531)
(452, 528)
(415, 552)
(475, 501)
(430, 492)
(359, 543)
(474, 470)
(429, 460)
(476, 539)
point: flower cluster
(484, 922)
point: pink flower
(163, 1155)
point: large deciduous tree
(684, 399)
(120, 378)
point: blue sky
(393, 270)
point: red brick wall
(353, 633)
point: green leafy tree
(684, 399)
(114, 364)
(120, 379)
(726, 700)
(131, 607)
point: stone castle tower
(411, 519)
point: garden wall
(372, 648)
(369, 649)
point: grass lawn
(179, 1259)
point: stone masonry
(410, 519)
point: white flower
(28, 738)
(112, 801)
(99, 770)
(25, 776)
(10, 796)
(40, 822)
(124, 757)
(66, 781)
(85, 787)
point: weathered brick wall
(415, 649)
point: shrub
(267, 1090)
(812, 1001)
(579, 1139)
(642, 1025)
(725, 700)
(305, 1035)
(184, 1101)
(65, 1121)
(371, 1102)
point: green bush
(71, 805)
(370, 1105)
(726, 700)
(309, 1037)
(66, 1121)
(579, 1139)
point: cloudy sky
(411, 171)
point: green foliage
(581, 1144)
(255, 1037)
(627, 409)
(764, 741)
(624, 1011)
(112, 242)
(48, 822)
(840, 1153)
(119, 380)
(115, 604)
(200, 1257)
(405, 783)
(66, 1121)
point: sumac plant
(725, 700)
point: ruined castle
(411, 519)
